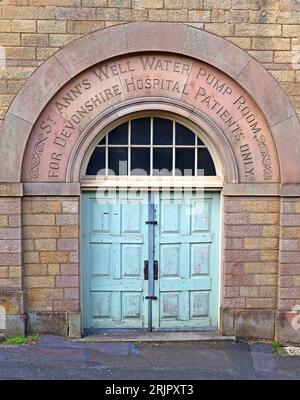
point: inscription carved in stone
(106, 85)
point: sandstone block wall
(289, 271)
(51, 261)
(11, 271)
(262, 267)
(51, 254)
(33, 30)
(10, 243)
(251, 234)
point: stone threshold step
(158, 337)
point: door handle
(146, 270)
(150, 298)
(146, 264)
(155, 270)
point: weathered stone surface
(288, 327)
(264, 218)
(40, 232)
(70, 207)
(69, 231)
(254, 324)
(67, 281)
(51, 189)
(227, 322)
(291, 169)
(53, 269)
(243, 231)
(71, 293)
(109, 44)
(12, 301)
(45, 244)
(11, 189)
(197, 43)
(67, 219)
(66, 244)
(74, 325)
(39, 281)
(51, 76)
(174, 36)
(48, 207)
(23, 26)
(66, 305)
(267, 243)
(54, 323)
(15, 325)
(249, 78)
(53, 257)
(12, 144)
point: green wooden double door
(184, 240)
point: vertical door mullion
(173, 151)
(144, 229)
(106, 155)
(151, 146)
(196, 156)
(150, 257)
(129, 149)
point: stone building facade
(227, 70)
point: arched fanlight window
(151, 146)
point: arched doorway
(151, 236)
(242, 116)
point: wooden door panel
(115, 247)
(187, 251)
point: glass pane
(162, 161)
(97, 162)
(184, 136)
(140, 131)
(199, 142)
(185, 162)
(205, 162)
(140, 161)
(162, 131)
(119, 135)
(102, 142)
(118, 160)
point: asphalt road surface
(55, 358)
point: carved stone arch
(280, 125)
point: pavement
(144, 336)
(55, 358)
